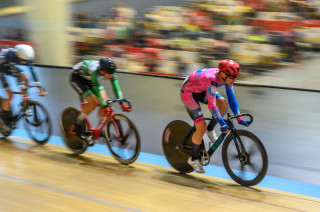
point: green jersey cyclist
(84, 80)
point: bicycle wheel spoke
(252, 166)
(235, 156)
(242, 172)
(252, 151)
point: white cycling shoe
(196, 165)
(212, 135)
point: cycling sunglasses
(232, 76)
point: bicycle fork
(242, 154)
(119, 131)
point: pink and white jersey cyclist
(201, 86)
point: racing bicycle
(243, 154)
(120, 134)
(37, 121)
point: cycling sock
(211, 124)
(195, 151)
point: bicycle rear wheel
(123, 139)
(73, 142)
(37, 123)
(173, 134)
(249, 165)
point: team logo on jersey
(214, 83)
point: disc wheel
(73, 142)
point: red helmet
(229, 67)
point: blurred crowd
(259, 34)
(12, 33)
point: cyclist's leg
(6, 101)
(5, 105)
(104, 96)
(101, 110)
(83, 88)
(191, 102)
(223, 109)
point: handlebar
(26, 88)
(229, 117)
(119, 100)
(239, 115)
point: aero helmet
(24, 52)
(229, 67)
(107, 65)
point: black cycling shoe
(5, 127)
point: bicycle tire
(73, 142)
(38, 123)
(229, 153)
(173, 134)
(127, 148)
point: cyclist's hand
(42, 93)
(225, 129)
(244, 123)
(126, 108)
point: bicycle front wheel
(123, 139)
(37, 123)
(244, 158)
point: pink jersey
(200, 81)
(205, 81)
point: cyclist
(21, 54)
(200, 86)
(84, 79)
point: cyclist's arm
(22, 77)
(36, 81)
(211, 97)
(33, 74)
(116, 87)
(232, 100)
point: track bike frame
(181, 146)
(109, 112)
(24, 105)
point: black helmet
(107, 65)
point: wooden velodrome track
(50, 178)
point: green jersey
(89, 70)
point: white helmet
(24, 52)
